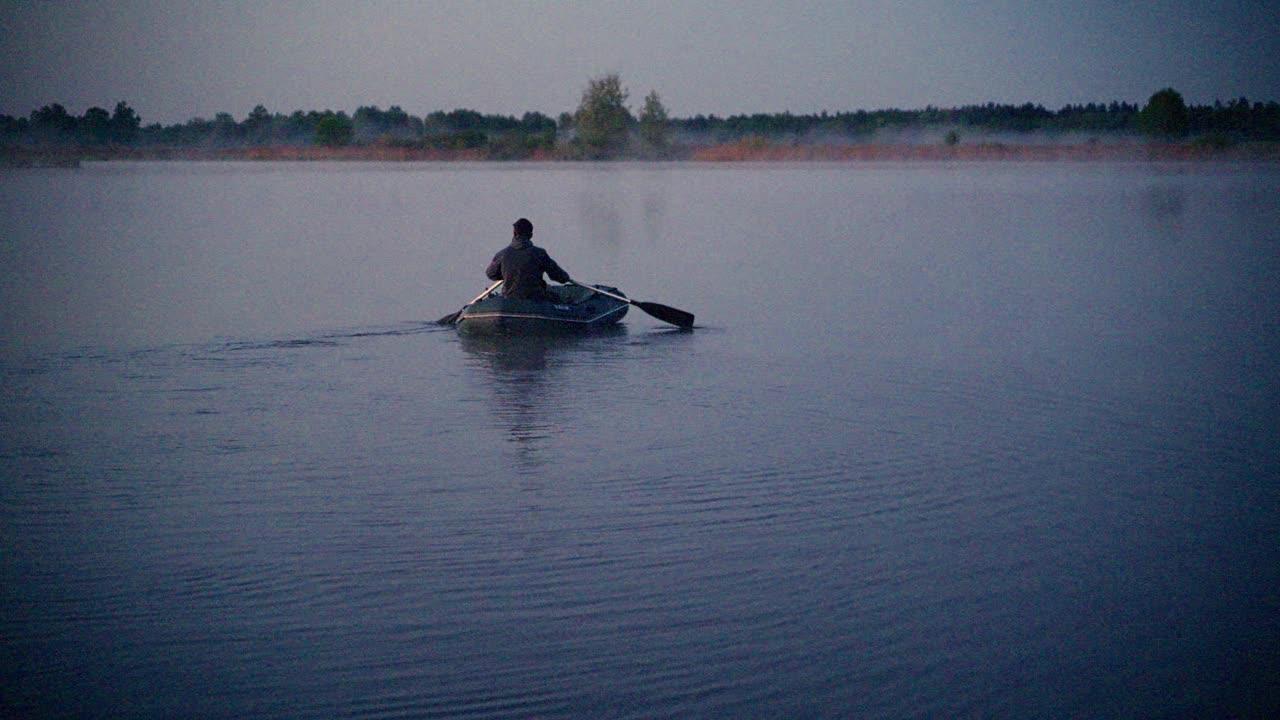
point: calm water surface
(987, 440)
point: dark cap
(523, 227)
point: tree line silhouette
(510, 137)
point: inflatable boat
(567, 309)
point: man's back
(520, 266)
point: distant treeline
(535, 134)
(52, 125)
(1238, 120)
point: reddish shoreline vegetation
(603, 128)
(752, 150)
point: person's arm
(555, 272)
(494, 271)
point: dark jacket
(520, 266)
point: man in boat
(521, 264)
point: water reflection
(1164, 207)
(600, 208)
(526, 374)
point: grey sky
(172, 60)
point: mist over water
(948, 440)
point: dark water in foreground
(972, 440)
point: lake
(948, 440)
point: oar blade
(666, 314)
(449, 319)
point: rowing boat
(567, 309)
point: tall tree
(124, 123)
(654, 123)
(1165, 115)
(257, 125)
(95, 126)
(602, 119)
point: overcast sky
(173, 60)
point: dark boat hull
(572, 310)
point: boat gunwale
(528, 315)
(622, 308)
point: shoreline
(751, 150)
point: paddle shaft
(486, 293)
(453, 317)
(666, 314)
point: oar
(679, 318)
(451, 318)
